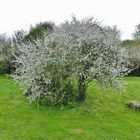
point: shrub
(134, 56)
(5, 54)
(133, 47)
(77, 51)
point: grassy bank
(104, 115)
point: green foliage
(38, 32)
(5, 54)
(4, 67)
(128, 42)
(104, 115)
(133, 47)
(63, 92)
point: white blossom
(81, 49)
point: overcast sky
(18, 14)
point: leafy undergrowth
(103, 116)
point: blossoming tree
(59, 69)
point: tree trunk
(82, 88)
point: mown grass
(103, 116)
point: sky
(20, 14)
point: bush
(133, 47)
(5, 54)
(57, 69)
(134, 56)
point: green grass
(103, 116)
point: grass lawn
(103, 116)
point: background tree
(18, 37)
(39, 31)
(136, 34)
